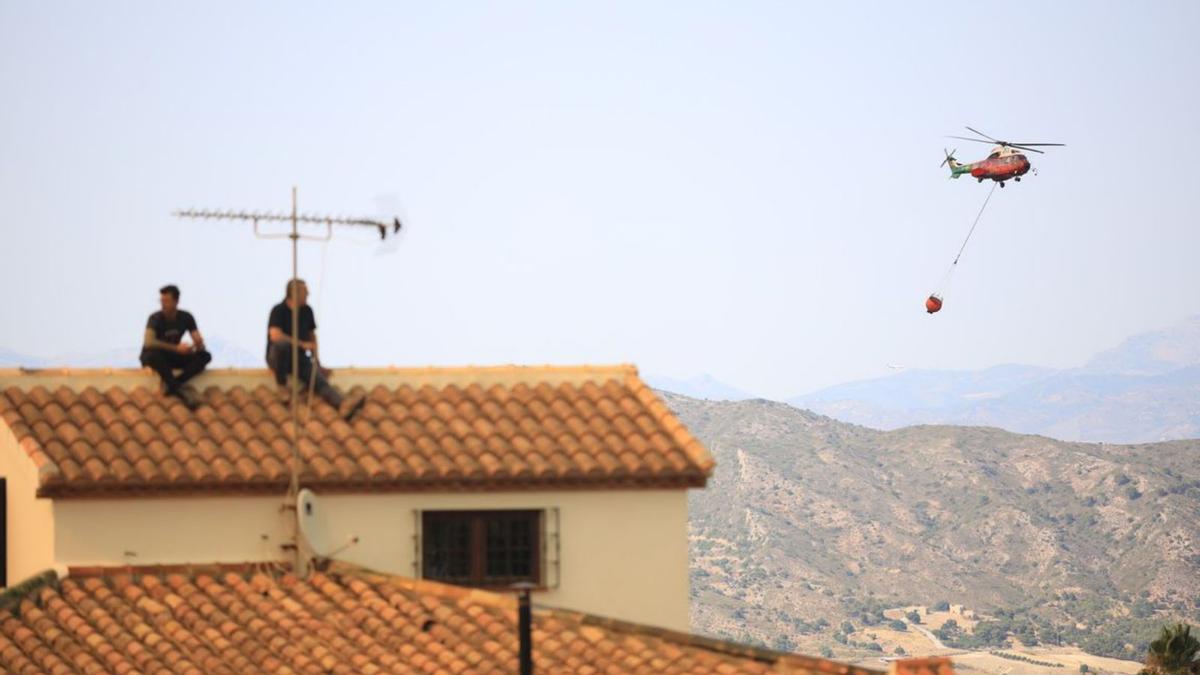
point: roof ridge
(718, 645)
(233, 370)
(440, 589)
(132, 379)
(11, 597)
(679, 432)
(189, 569)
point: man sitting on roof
(164, 351)
(279, 349)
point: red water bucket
(932, 304)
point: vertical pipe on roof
(525, 627)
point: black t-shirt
(281, 318)
(171, 330)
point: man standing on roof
(279, 349)
(164, 351)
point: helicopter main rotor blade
(1021, 147)
(976, 140)
(1026, 145)
(984, 135)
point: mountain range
(1145, 389)
(700, 386)
(809, 522)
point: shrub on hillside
(783, 643)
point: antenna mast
(299, 563)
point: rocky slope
(808, 518)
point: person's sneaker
(352, 406)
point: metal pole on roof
(299, 564)
(524, 627)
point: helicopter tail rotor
(956, 169)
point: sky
(746, 190)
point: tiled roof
(111, 432)
(930, 665)
(241, 620)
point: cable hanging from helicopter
(933, 304)
(1005, 162)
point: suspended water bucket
(933, 304)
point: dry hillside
(809, 522)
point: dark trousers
(279, 359)
(165, 363)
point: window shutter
(417, 552)
(551, 548)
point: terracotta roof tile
(932, 665)
(247, 619)
(535, 428)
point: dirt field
(1070, 658)
(916, 643)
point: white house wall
(30, 522)
(624, 554)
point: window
(482, 548)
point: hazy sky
(745, 189)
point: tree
(941, 606)
(992, 633)
(913, 616)
(898, 625)
(899, 651)
(949, 631)
(847, 627)
(1173, 652)
(1083, 668)
(826, 652)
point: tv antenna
(299, 560)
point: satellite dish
(311, 519)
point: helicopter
(1006, 160)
